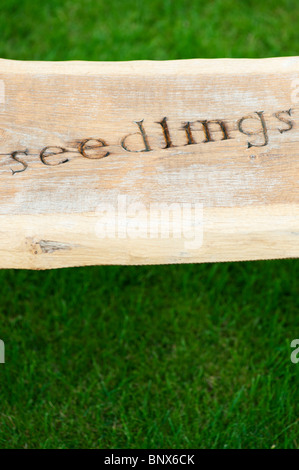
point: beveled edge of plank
(152, 67)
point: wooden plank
(148, 162)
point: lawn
(182, 356)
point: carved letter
(206, 130)
(143, 135)
(83, 147)
(166, 134)
(263, 129)
(45, 154)
(14, 157)
(286, 121)
(188, 130)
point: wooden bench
(148, 162)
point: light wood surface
(148, 162)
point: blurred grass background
(166, 356)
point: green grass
(152, 29)
(167, 356)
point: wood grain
(148, 162)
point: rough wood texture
(148, 162)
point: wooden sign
(148, 162)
